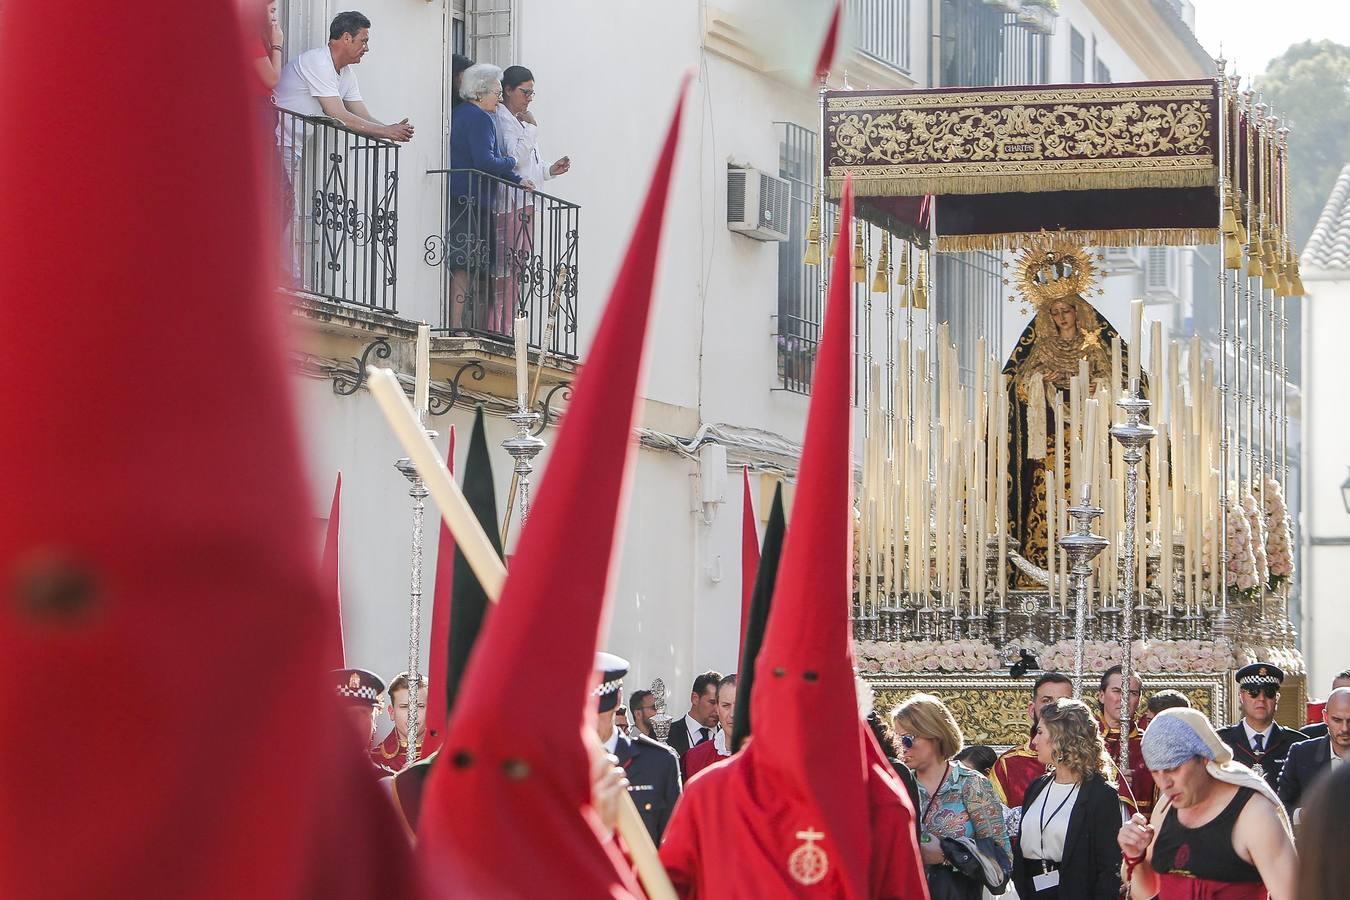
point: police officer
(653, 768)
(358, 692)
(1258, 741)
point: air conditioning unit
(1119, 259)
(1161, 275)
(758, 204)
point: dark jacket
(1305, 762)
(1090, 869)
(1315, 730)
(677, 738)
(1268, 763)
(653, 780)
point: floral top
(965, 806)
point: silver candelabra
(1081, 546)
(1133, 435)
(523, 447)
(417, 490)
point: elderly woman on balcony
(476, 162)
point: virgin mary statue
(1065, 331)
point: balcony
(505, 252)
(340, 212)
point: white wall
(1326, 443)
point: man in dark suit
(1309, 760)
(652, 768)
(1319, 729)
(1258, 741)
(698, 724)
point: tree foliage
(1308, 87)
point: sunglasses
(1269, 690)
(907, 741)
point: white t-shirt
(1053, 806)
(311, 75)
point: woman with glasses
(476, 159)
(1071, 815)
(954, 801)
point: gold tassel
(812, 255)
(1253, 257)
(1270, 280)
(859, 255)
(1241, 232)
(904, 296)
(1228, 224)
(1296, 288)
(903, 277)
(883, 278)
(1232, 252)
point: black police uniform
(1268, 761)
(653, 780)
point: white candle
(522, 360)
(1136, 347)
(462, 522)
(422, 379)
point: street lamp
(1345, 493)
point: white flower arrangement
(927, 657)
(1179, 657)
(1256, 525)
(1242, 576)
(1279, 539)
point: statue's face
(1064, 316)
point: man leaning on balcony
(322, 82)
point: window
(883, 30)
(799, 303)
(1102, 75)
(1077, 56)
(968, 295)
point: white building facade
(1325, 556)
(725, 364)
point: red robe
(392, 752)
(1140, 779)
(700, 757)
(1013, 773)
(707, 856)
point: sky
(1253, 32)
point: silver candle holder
(1081, 546)
(1133, 435)
(523, 447)
(417, 490)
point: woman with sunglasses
(954, 801)
(1071, 815)
(1258, 741)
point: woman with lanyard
(1071, 815)
(954, 801)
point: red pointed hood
(439, 638)
(529, 788)
(807, 736)
(175, 562)
(330, 572)
(830, 45)
(749, 555)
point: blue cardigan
(473, 145)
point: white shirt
(1053, 806)
(1252, 733)
(308, 77)
(695, 735)
(613, 743)
(520, 140)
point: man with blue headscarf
(1217, 830)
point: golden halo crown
(1053, 268)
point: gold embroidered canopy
(1122, 164)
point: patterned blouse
(965, 806)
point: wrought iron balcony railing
(340, 211)
(505, 251)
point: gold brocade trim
(1009, 177)
(1095, 237)
(1198, 90)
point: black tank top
(1205, 852)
